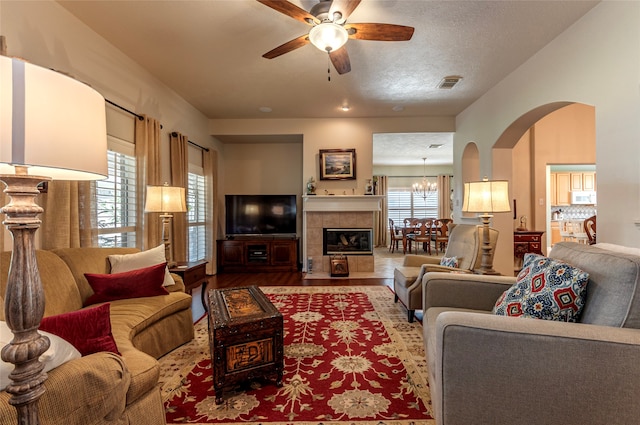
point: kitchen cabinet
(561, 191)
(555, 232)
(589, 181)
(583, 181)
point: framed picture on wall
(337, 164)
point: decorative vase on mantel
(311, 186)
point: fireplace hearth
(347, 241)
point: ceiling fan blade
(345, 7)
(379, 32)
(291, 10)
(296, 43)
(340, 60)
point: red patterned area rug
(350, 358)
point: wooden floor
(230, 280)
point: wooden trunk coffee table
(245, 337)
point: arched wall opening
(470, 171)
(555, 133)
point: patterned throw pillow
(545, 289)
(449, 262)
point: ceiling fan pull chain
(328, 67)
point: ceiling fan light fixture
(328, 36)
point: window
(196, 214)
(116, 198)
(403, 203)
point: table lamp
(166, 200)
(486, 197)
(46, 120)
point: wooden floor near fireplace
(384, 265)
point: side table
(524, 242)
(193, 274)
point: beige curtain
(179, 169)
(147, 139)
(381, 217)
(69, 219)
(445, 208)
(210, 165)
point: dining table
(409, 231)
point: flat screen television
(258, 215)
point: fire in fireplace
(348, 241)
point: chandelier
(424, 189)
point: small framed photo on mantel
(337, 164)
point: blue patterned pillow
(545, 289)
(449, 262)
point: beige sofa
(105, 388)
(488, 369)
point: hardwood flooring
(230, 280)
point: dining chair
(590, 229)
(422, 234)
(566, 233)
(396, 236)
(440, 233)
(408, 229)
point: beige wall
(566, 136)
(345, 133)
(521, 182)
(262, 168)
(605, 42)
(412, 170)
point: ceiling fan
(330, 30)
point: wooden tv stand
(258, 254)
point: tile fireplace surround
(349, 212)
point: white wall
(595, 62)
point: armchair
(488, 369)
(465, 243)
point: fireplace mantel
(336, 211)
(339, 203)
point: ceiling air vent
(449, 82)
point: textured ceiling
(210, 53)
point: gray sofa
(488, 369)
(465, 242)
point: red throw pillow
(146, 282)
(89, 329)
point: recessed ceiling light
(265, 109)
(345, 108)
(398, 108)
(435, 146)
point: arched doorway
(556, 133)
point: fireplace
(347, 241)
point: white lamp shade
(165, 199)
(328, 36)
(486, 196)
(51, 123)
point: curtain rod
(140, 117)
(175, 134)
